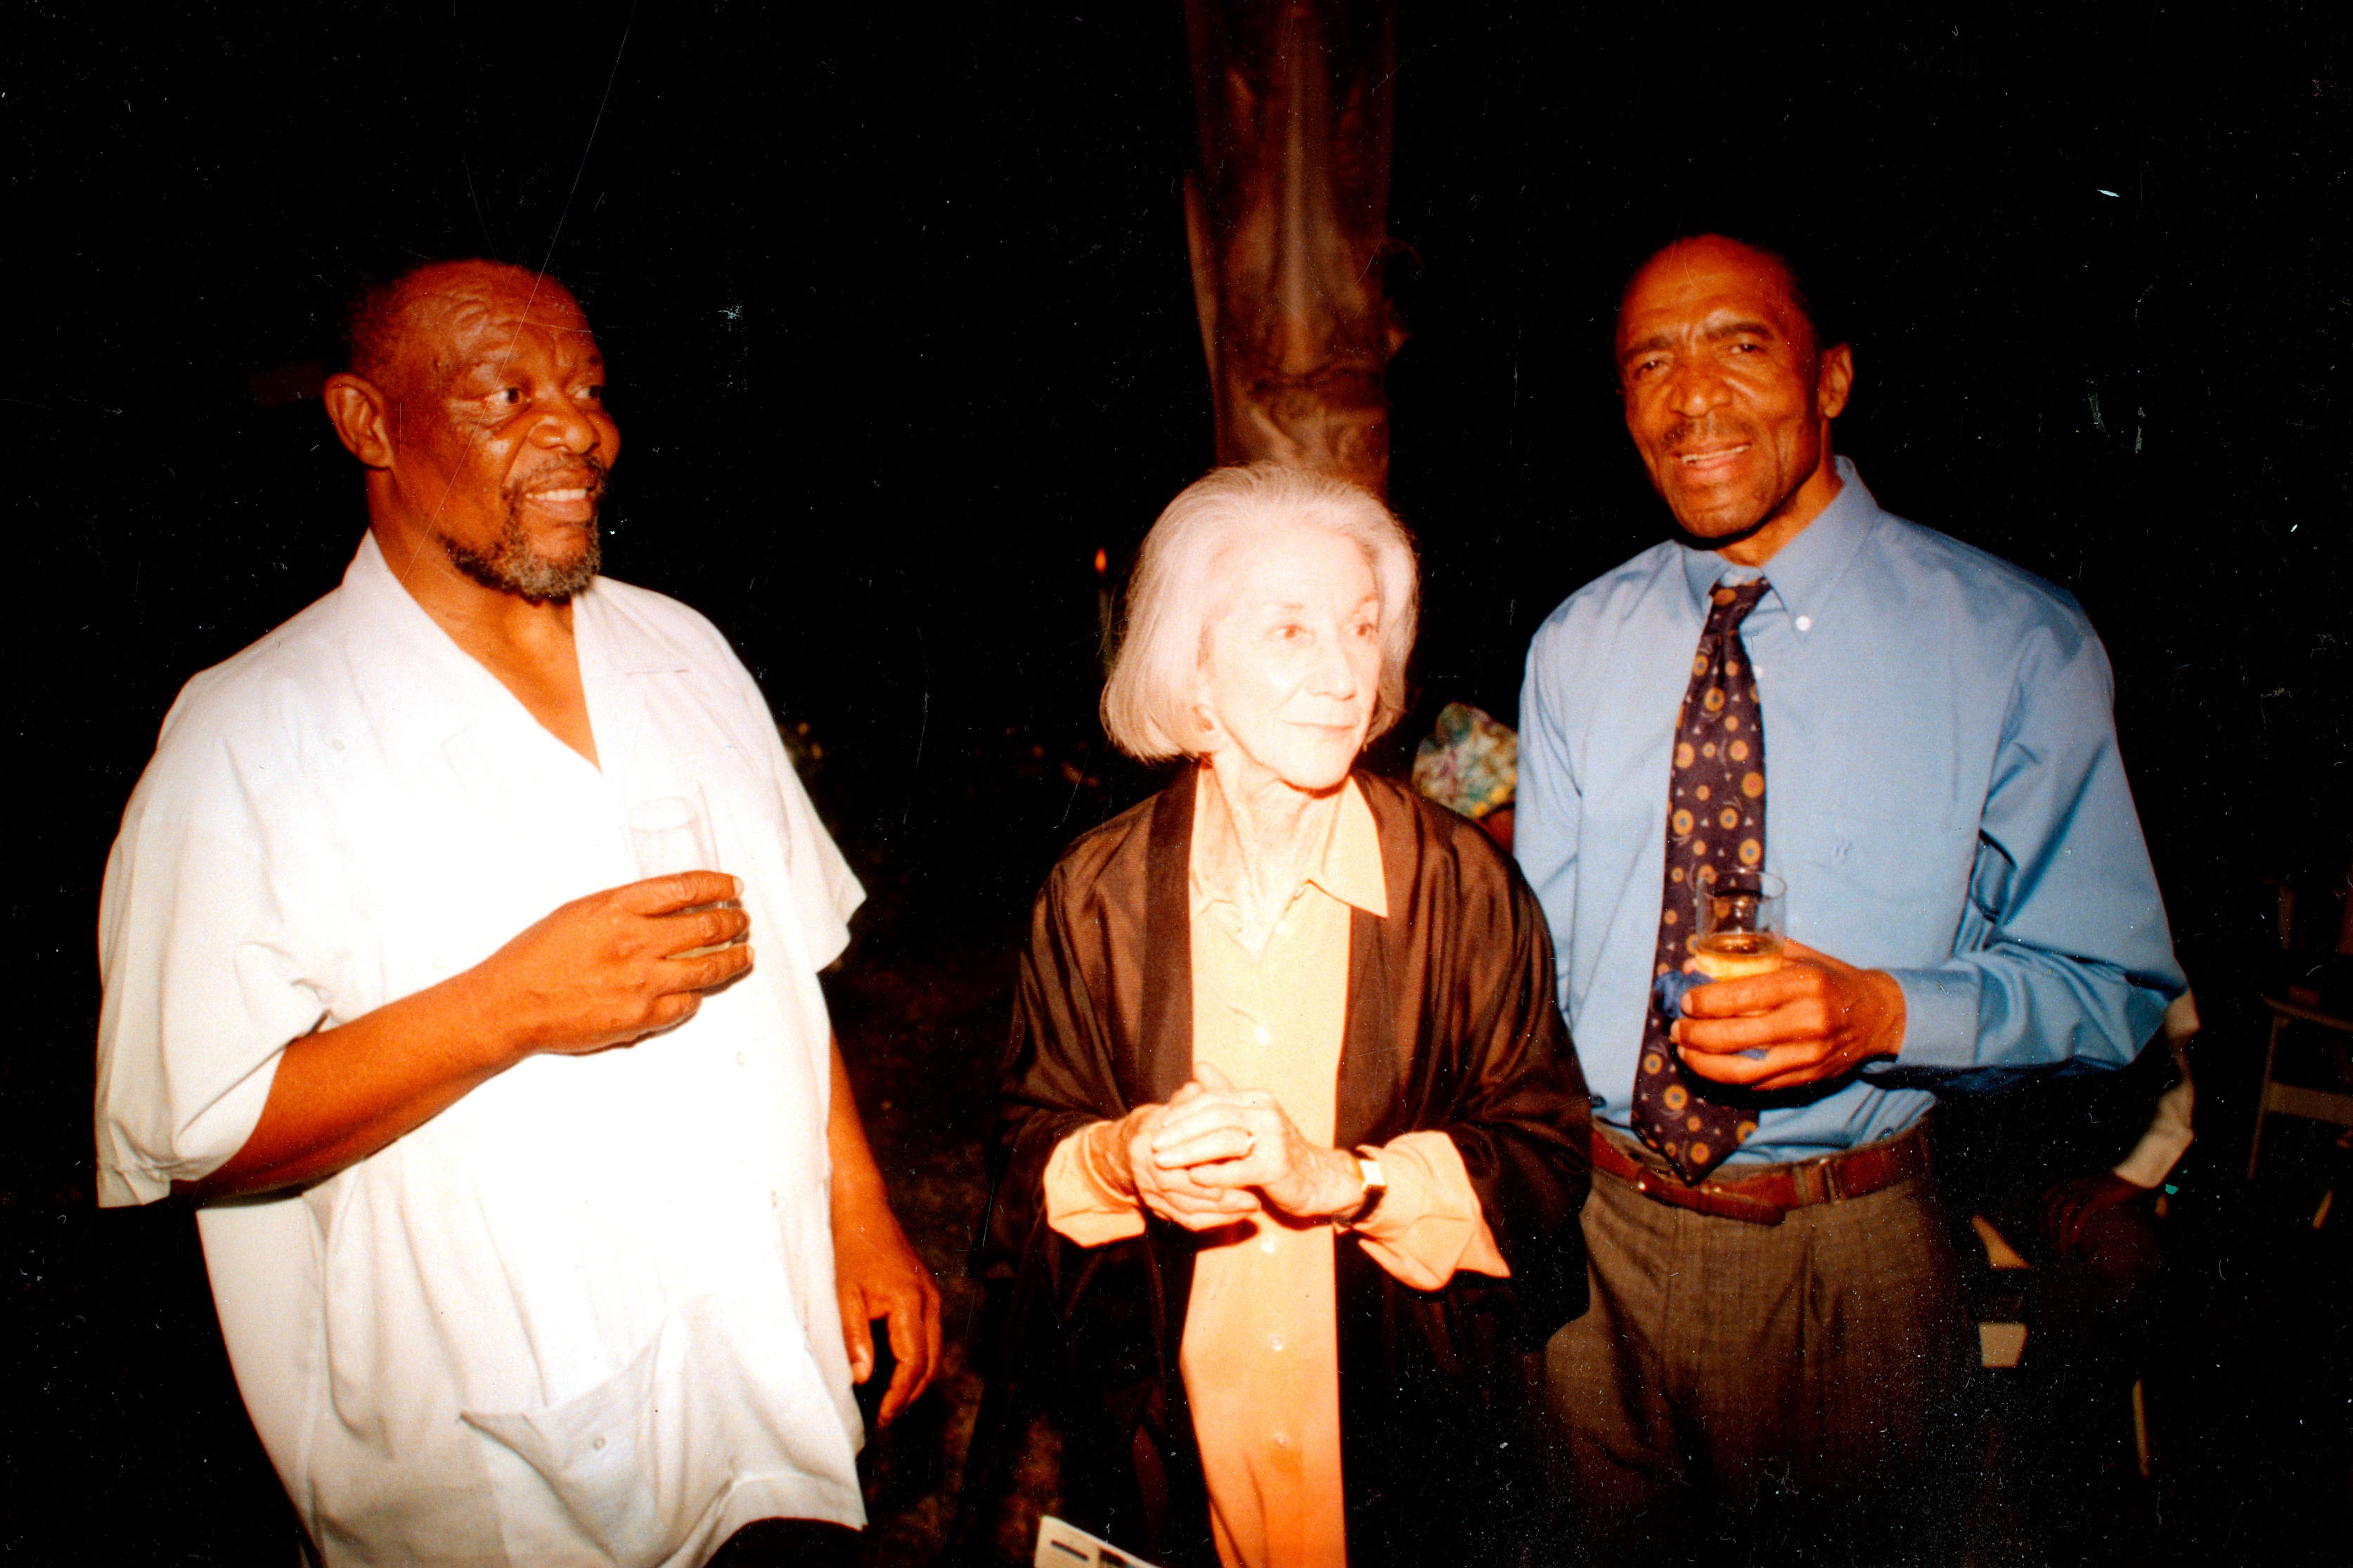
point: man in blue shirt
(1776, 1325)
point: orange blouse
(1261, 1356)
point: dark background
(896, 303)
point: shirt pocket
(597, 1452)
(1883, 891)
(693, 733)
(637, 1460)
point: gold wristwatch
(1376, 1187)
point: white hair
(1185, 576)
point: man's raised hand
(1815, 1017)
(611, 967)
(600, 971)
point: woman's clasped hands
(1214, 1154)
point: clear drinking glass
(671, 833)
(1740, 925)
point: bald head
(388, 322)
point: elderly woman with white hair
(1293, 1140)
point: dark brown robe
(1452, 1024)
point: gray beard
(514, 566)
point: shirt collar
(1804, 569)
(1349, 867)
(414, 672)
(598, 618)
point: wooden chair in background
(2298, 1007)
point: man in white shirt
(540, 1220)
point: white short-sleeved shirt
(586, 1314)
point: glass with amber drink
(1739, 928)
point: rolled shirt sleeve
(199, 920)
(1429, 1224)
(825, 891)
(1082, 1203)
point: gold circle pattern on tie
(1716, 823)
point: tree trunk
(1287, 219)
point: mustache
(1706, 431)
(600, 476)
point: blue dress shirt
(1943, 795)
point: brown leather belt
(1772, 1193)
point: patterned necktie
(1716, 820)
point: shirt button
(1281, 1441)
(1266, 1244)
(1274, 1341)
(1804, 623)
(739, 1059)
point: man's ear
(361, 416)
(1834, 379)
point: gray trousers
(1745, 1393)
